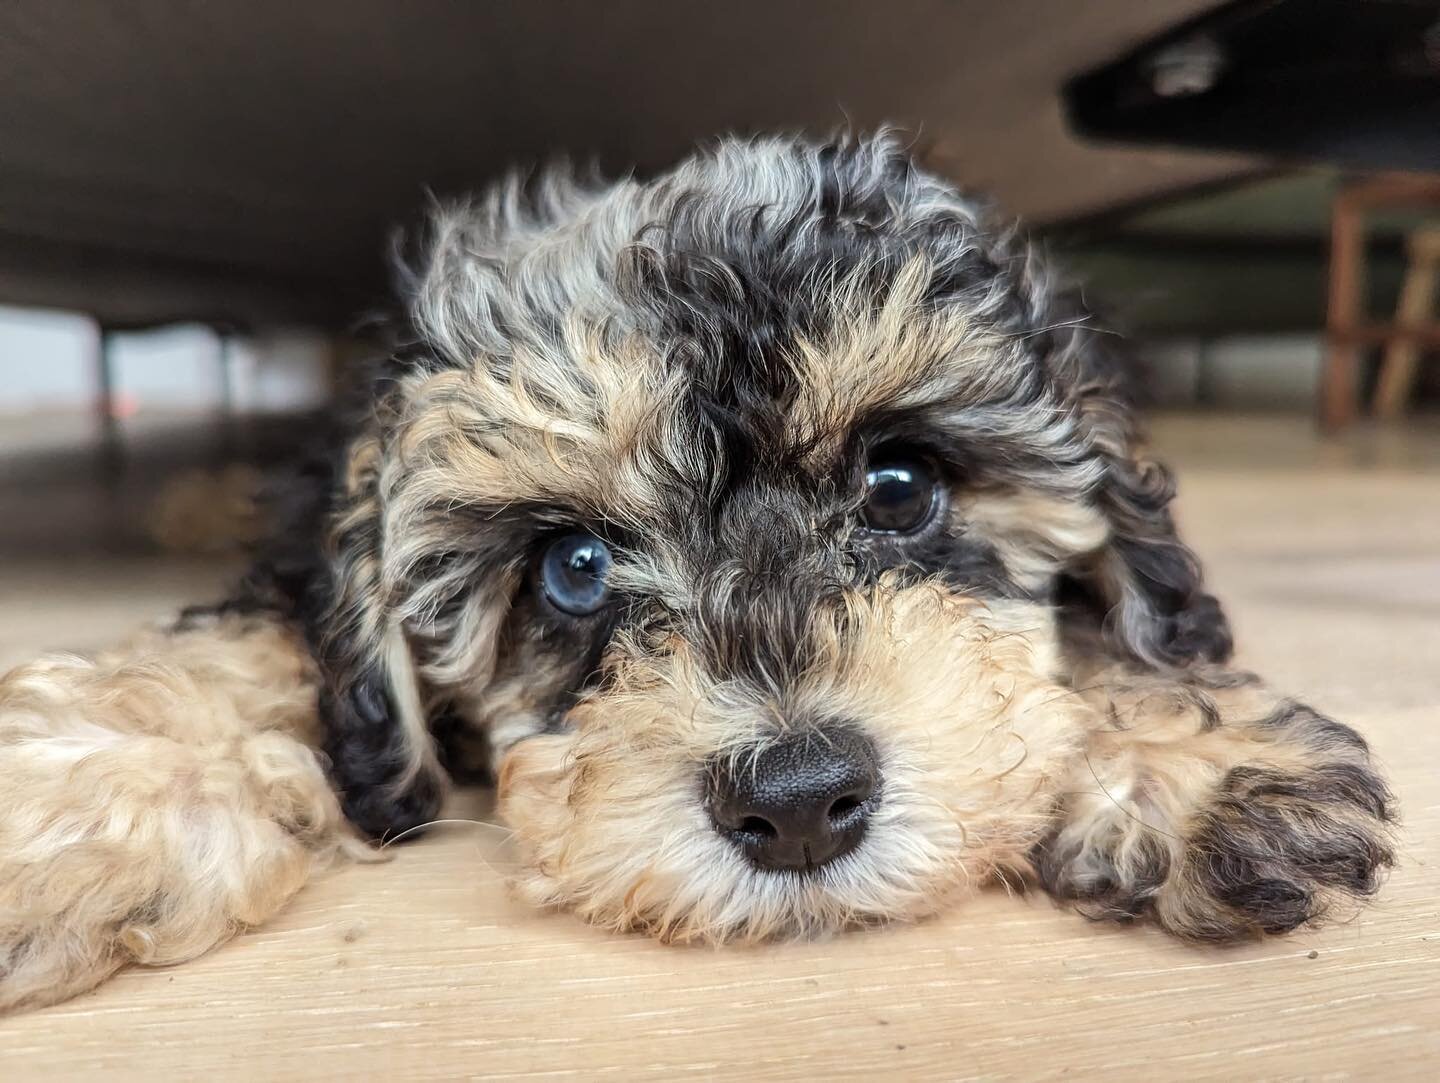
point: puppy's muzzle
(797, 803)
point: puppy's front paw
(72, 918)
(1278, 848)
(148, 851)
(1221, 830)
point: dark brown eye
(900, 496)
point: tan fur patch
(900, 357)
(1037, 535)
(155, 800)
(581, 429)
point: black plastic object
(1354, 82)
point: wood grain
(424, 968)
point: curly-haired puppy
(784, 542)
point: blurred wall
(46, 360)
(47, 364)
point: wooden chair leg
(1417, 301)
(1339, 392)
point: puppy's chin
(611, 820)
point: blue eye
(572, 574)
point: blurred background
(197, 201)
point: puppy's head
(734, 510)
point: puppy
(781, 538)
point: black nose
(800, 802)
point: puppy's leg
(155, 800)
(1220, 809)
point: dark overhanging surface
(1337, 81)
(245, 159)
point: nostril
(757, 826)
(847, 811)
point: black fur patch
(366, 761)
(1316, 729)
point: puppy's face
(731, 510)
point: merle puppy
(785, 543)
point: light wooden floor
(1329, 559)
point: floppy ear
(1150, 581)
(376, 736)
(1146, 585)
(381, 754)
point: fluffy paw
(1279, 849)
(145, 850)
(1227, 833)
(70, 920)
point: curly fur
(698, 369)
(154, 800)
